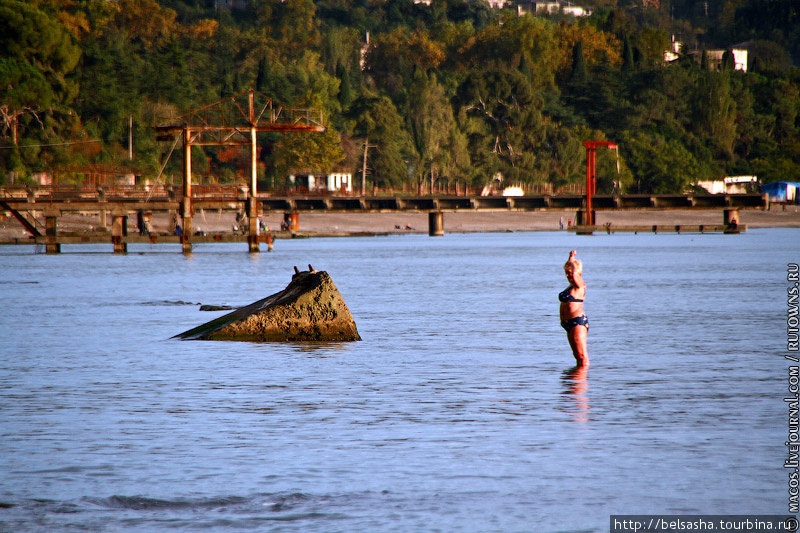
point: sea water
(460, 410)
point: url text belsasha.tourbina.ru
(690, 523)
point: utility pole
(130, 137)
(367, 146)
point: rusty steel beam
(233, 114)
(30, 228)
(279, 127)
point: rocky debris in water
(310, 308)
(209, 307)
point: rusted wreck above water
(310, 308)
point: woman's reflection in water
(576, 385)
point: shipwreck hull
(310, 308)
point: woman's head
(573, 266)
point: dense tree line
(453, 91)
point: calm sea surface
(458, 412)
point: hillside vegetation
(455, 91)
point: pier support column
(436, 224)
(172, 214)
(51, 231)
(582, 219)
(186, 201)
(186, 229)
(730, 218)
(292, 220)
(252, 225)
(119, 230)
(31, 215)
(252, 200)
(101, 199)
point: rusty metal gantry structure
(591, 177)
(234, 121)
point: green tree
(392, 58)
(529, 39)
(432, 122)
(715, 112)
(314, 152)
(786, 111)
(378, 123)
(661, 166)
(627, 54)
(579, 74)
(38, 55)
(498, 110)
(345, 88)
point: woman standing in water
(573, 319)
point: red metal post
(590, 177)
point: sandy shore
(379, 223)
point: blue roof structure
(782, 191)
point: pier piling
(436, 223)
(292, 221)
(730, 219)
(119, 230)
(252, 225)
(51, 231)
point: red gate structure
(591, 176)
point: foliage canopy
(453, 91)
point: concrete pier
(119, 231)
(436, 224)
(730, 218)
(292, 221)
(120, 202)
(51, 231)
(252, 225)
(656, 228)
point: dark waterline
(458, 412)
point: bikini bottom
(570, 323)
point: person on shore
(573, 318)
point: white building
(550, 8)
(498, 4)
(673, 53)
(332, 182)
(739, 59)
(714, 57)
(729, 184)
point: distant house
(729, 185)
(715, 59)
(674, 52)
(332, 182)
(550, 8)
(785, 192)
(498, 4)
